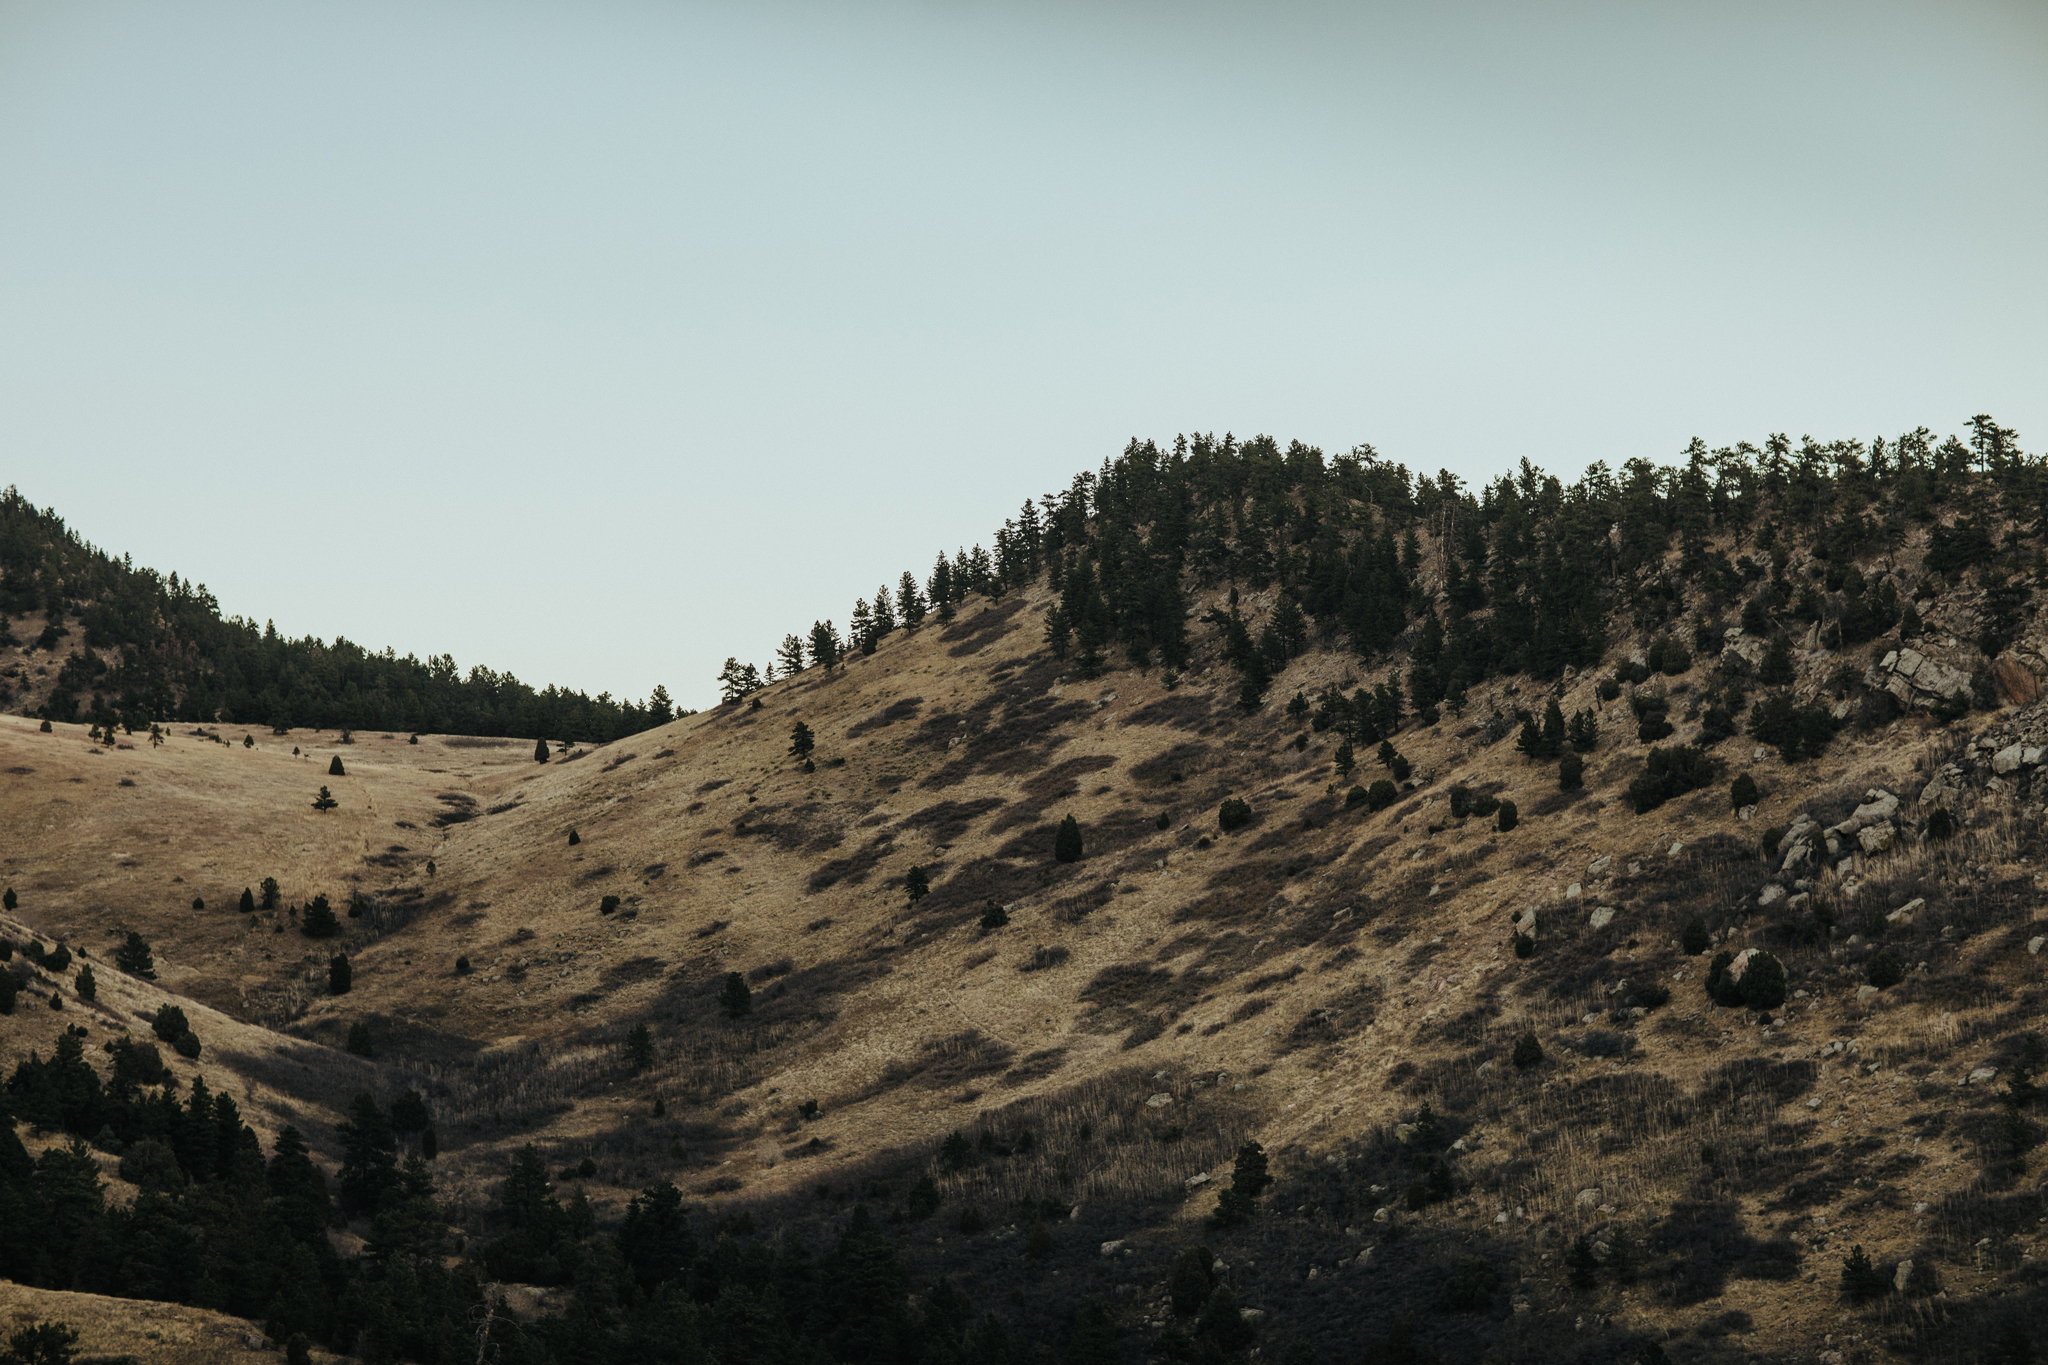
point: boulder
(1572, 892)
(1588, 1197)
(1905, 913)
(1159, 1101)
(1601, 917)
(1915, 679)
(1865, 992)
(1903, 1276)
(1980, 1075)
(1600, 865)
(1197, 1180)
(2006, 760)
(1770, 895)
(1876, 838)
(1112, 1248)
(2036, 943)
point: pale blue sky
(601, 341)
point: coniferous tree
(1346, 761)
(860, 630)
(825, 645)
(540, 750)
(360, 1043)
(790, 654)
(341, 977)
(10, 900)
(334, 768)
(916, 884)
(133, 957)
(369, 1155)
(734, 997)
(939, 588)
(88, 987)
(910, 601)
(1066, 844)
(271, 893)
(318, 920)
(801, 741)
(1571, 773)
(884, 612)
(248, 901)
(325, 801)
(1776, 670)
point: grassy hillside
(1351, 982)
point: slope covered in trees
(139, 645)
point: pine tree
(10, 900)
(737, 681)
(1346, 760)
(133, 957)
(1583, 731)
(1066, 844)
(916, 884)
(885, 612)
(248, 901)
(88, 987)
(334, 768)
(790, 654)
(340, 976)
(319, 920)
(825, 645)
(540, 750)
(639, 1048)
(271, 893)
(939, 588)
(1554, 728)
(325, 801)
(801, 741)
(860, 629)
(734, 998)
(1571, 773)
(1776, 670)
(910, 601)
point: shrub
(607, 905)
(462, 966)
(1742, 792)
(186, 1045)
(1694, 938)
(340, 976)
(1861, 1279)
(1883, 970)
(574, 838)
(1528, 1052)
(170, 1021)
(1609, 688)
(1670, 773)
(58, 960)
(1571, 773)
(1381, 794)
(199, 902)
(359, 1041)
(1763, 982)
(1164, 821)
(1066, 844)
(1941, 826)
(9, 900)
(1508, 817)
(1356, 797)
(1234, 814)
(1525, 946)
(734, 998)
(993, 917)
(88, 988)
(1796, 732)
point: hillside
(1347, 979)
(85, 636)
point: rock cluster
(1915, 679)
(1869, 829)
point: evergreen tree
(540, 750)
(1345, 760)
(409, 1113)
(801, 741)
(825, 645)
(369, 1157)
(1742, 792)
(910, 601)
(10, 900)
(133, 957)
(334, 768)
(318, 920)
(639, 1048)
(860, 630)
(1553, 740)
(1776, 670)
(1583, 731)
(737, 681)
(340, 976)
(734, 997)
(88, 986)
(248, 901)
(360, 1043)
(790, 654)
(271, 893)
(884, 612)
(325, 801)
(1066, 844)
(1571, 773)
(939, 588)
(916, 884)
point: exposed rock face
(1917, 680)
(1749, 648)
(2018, 685)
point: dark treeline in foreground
(1522, 576)
(157, 648)
(219, 1224)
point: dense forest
(158, 648)
(1525, 575)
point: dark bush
(1381, 794)
(1763, 982)
(1653, 996)
(1883, 970)
(993, 917)
(1797, 732)
(1742, 792)
(1508, 817)
(1571, 773)
(1066, 844)
(1694, 939)
(607, 905)
(1234, 814)
(1670, 773)
(1469, 1286)
(1528, 1052)
(170, 1021)
(1355, 798)
(186, 1045)
(1941, 826)
(359, 1041)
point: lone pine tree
(801, 741)
(734, 997)
(334, 768)
(134, 958)
(325, 800)
(540, 750)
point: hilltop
(1462, 1005)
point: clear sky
(599, 341)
